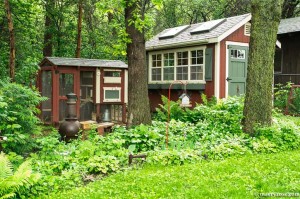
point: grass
(243, 177)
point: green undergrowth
(243, 177)
(211, 131)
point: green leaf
(131, 148)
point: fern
(13, 183)
(6, 168)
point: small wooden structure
(287, 58)
(211, 57)
(100, 85)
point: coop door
(66, 86)
(87, 108)
(47, 92)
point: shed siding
(290, 44)
(237, 36)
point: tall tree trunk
(258, 101)
(12, 54)
(138, 101)
(89, 16)
(48, 36)
(79, 27)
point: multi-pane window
(156, 67)
(237, 54)
(182, 69)
(196, 72)
(169, 66)
(187, 64)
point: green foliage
(213, 133)
(242, 177)
(294, 106)
(282, 135)
(15, 183)
(18, 116)
(174, 157)
(281, 93)
(174, 109)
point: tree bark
(138, 101)
(48, 36)
(12, 54)
(79, 27)
(258, 101)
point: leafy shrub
(284, 135)
(294, 106)
(15, 183)
(175, 110)
(18, 110)
(281, 93)
(174, 157)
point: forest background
(50, 27)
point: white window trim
(111, 100)
(175, 65)
(116, 80)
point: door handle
(228, 79)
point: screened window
(47, 92)
(66, 84)
(112, 73)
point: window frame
(175, 51)
(109, 89)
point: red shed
(211, 57)
(100, 85)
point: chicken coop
(100, 86)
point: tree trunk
(258, 101)
(79, 27)
(48, 44)
(12, 54)
(138, 101)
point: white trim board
(217, 71)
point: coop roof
(195, 34)
(289, 25)
(62, 61)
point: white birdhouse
(185, 100)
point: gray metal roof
(185, 37)
(289, 25)
(62, 61)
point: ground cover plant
(242, 177)
(211, 131)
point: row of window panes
(182, 68)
